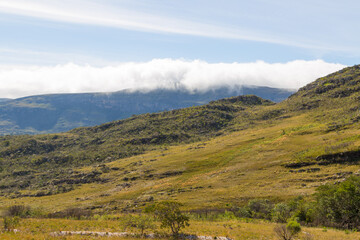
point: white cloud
(18, 81)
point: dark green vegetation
(62, 112)
(170, 216)
(338, 205)
(240, 156)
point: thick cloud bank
(18, 81)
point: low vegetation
(331, 206)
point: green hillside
(46, 162)
(211, 156)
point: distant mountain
(61, 112)
(4, 99)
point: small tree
(170, 216)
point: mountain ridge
(61, 112)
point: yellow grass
(236, 229)
(228, 169)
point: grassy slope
(48, 163)
(247, 161)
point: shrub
(18, 211)
(243, 212)
(338, 205)
(260, 208)
(281, 213)
(289, 231)
(170, 216)
(10, 223)
(294, 227)
(282, 232)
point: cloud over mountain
(18, 81)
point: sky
(55, 46)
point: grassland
(236, 229)
(225, 170)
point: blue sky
(101, 33)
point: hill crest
(336, 85)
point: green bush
(289, 231)
(169, 215)
(281, 213)
(294, 227)
(243, 212)
(338, 205)
(305, 214)
(260, 208)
